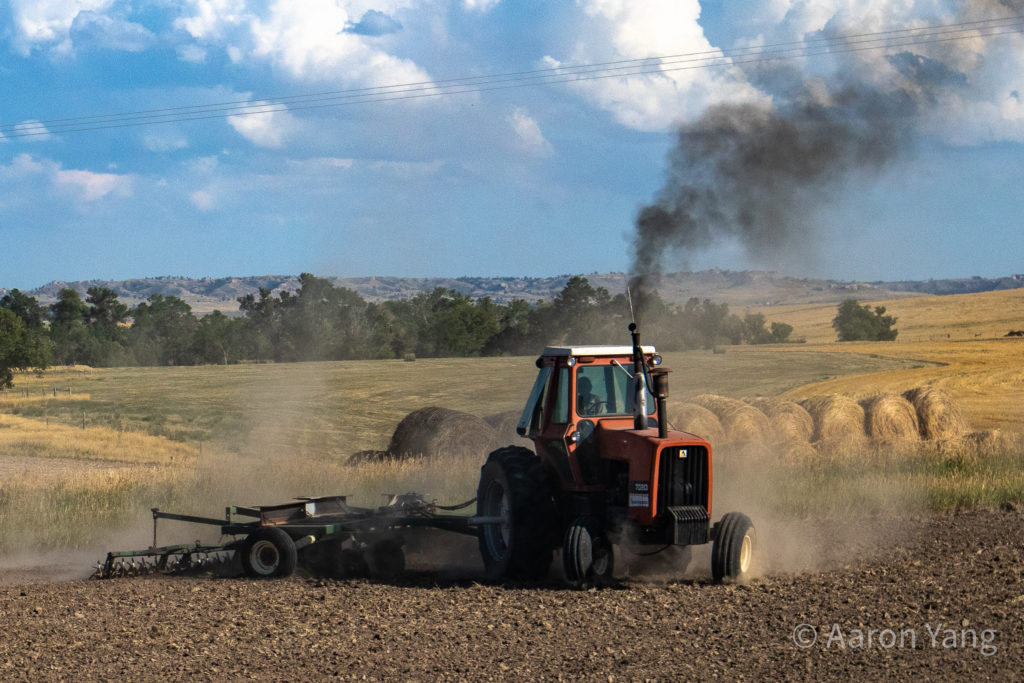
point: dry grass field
(81, 468)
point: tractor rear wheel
(732, 553)
(514, 487)
(268, 551)
(587, 554)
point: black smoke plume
(762, 176)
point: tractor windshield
(606, 390)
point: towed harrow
(326, 535)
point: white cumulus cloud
(48, 22)
(267, 128)
(310, 44)
(612, 30)
(164, 141)
(113, 33)
(480, 5)
(83, 185)
(90, 186)
(528, 136)
(202, 200)
(974, 105)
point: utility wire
(840, 44)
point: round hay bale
(798, 451)
(938, 414)
(890, 418)
(790, 422)
(367, 456)
(719, 405)
(692, 418)
(504, 425)
(837, 419)
(993, 441)
(434, 431)
(746, 424)
(741, 423)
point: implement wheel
(387, 559)
(732, 553)
(587, 555)
(268, 552)
(514, 487)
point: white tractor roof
(594, 350)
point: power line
(826, 45)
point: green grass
(334, 409)
(272, 432)
(876, 481)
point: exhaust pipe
(660, 379)
(640, 398)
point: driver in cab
(587, 403)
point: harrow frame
(306, 521)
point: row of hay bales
(434, 431)
(924, 413)
(833, 421)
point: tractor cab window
(606, 390)
(560, 414)
(529, 422)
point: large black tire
(514, 485)
(587, 554)
(732, 552)
(268, 552)
(387, 559)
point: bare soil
(933, 597)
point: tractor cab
(607, 471)
(579, 390)
(603, 436)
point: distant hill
(737, 288)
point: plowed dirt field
(936, 597)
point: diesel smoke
(762, 176)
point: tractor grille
(683, 477)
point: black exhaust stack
(660, 379)
(640, 400)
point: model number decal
(639, 494)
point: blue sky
(532, 181)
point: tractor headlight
(571, 362)
(655, 359)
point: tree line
(322, 322)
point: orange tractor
(607, 471)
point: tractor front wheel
(587, 554)
(514, 495)
(268, 551)
(732, 553)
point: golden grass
(24, 437)
(919, 319)
(12, 401)
(272, 432)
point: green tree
(754, 330)
(854, 322)
(163, 332)
(25, 307)
(106, 314)
(265, 331)
(219, 339)
(68, 331)
(106, 319)
(780, 332)
(21, 348)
